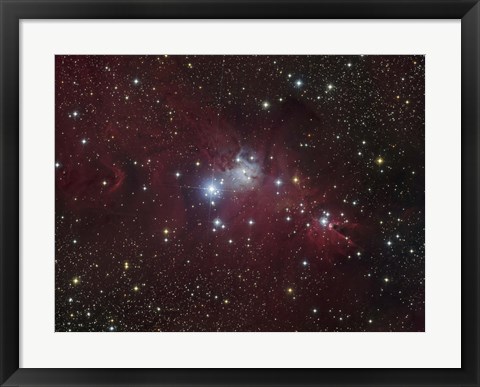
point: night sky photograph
(239, 193)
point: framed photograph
(237, 193)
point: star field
(239, 193)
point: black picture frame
(12, 11)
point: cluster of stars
(239, 193)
